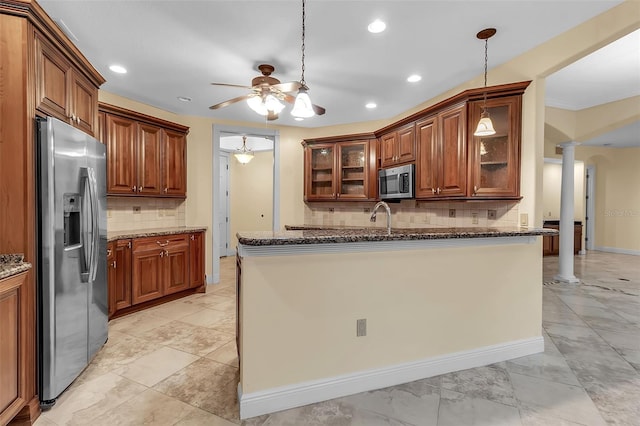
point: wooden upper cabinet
(442, 154)
(340, 169)
(120, 135)
(149, 159)
(398, 146)
(175, 164)
(494, 161)
(146, 156)
(61, 89)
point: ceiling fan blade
(287, 87)
(318, 109)
(231, 85)
(230, 101)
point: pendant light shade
(485, 125)
(303, 108)
(244, 154)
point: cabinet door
(53, 73)
(388, 149)
(494, 163)
(121, 170)
(406, 144)
(111, 278)
(122, 284)
(84, 104)
(176, 265)
(427, 158)
(12, 327)
(196, 259)
(452, 149)
(319, 176)
(149, 164)
(353, 170)
(148, 272)
(174, 171)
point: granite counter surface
(153, 232)
(322, 235)
(12, 264)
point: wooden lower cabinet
(146, 271)
(12, 336)
(551, 244)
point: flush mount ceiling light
(371, 105)
(414, 78)
(118, 69)
(303, 107)
(184, 98)
(485, 125)
(244, 154)
(376, 26)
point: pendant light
(303, 107)
(485, 126)
(244, 154)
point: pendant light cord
(486, 59)
(302, 82)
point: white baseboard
(285, 397)
(618, 250)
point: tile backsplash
(125, 214)
(416, 214)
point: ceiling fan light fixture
(485, 125)
(244, 154)
(273, 104)
(302, 107)
(256, 104)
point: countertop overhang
(12, 264)
(300, 235)
(153, 232)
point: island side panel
(299, 312)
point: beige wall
(457, 299)
(552, 183)
(251, 195)
(532, 65)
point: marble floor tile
(205, 318)
(188, 338)
(124, 350)
(148, 408)
(175, 310)
(206, 384)
(200, 417)
(219, 302)
(543, 366)
(457, 409)
(79, 405)
(137, 324)
(491, 383)
(553, 399)
(580, 300)
(531, 418)
(44, 421)
(226, 354)
(156, 366)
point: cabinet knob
(129, 244)
(113, 264)
(108, 252)
(475, 189)
(433, 190)
(193, 237)
(133, 188)
(162, 253)
(166, 252)
(165, 190)
(140, 188)
(439, 190)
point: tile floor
(176, 364)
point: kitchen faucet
(387, 209)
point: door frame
(218, 130)
(227, 251)
(590, 207)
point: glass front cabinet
(494, 166)
(340, 170)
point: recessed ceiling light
(376, 26)
(298, 118)
(414, 78)
(184, 98)
(371, 105)
(119, 69)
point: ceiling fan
(267, 94)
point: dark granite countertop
(12, 264)
(153, 232)
(335, 234)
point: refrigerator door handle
(95, 234)
(86, 227)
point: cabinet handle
(129, 244)
(108, 252)
(162, 253)
(114, 264)
(475, 189)
(165, 190)
(433, 190)
(140, 188)
(439, 190)
(133, 188)
(193, 237)
(166, 253)
(166, 243)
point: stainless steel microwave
(396, 182)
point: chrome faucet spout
(387, 210)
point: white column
(565, 262)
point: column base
(570, 279)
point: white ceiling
(177, 48)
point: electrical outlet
(136, 209)
(361, 327)
(474, 218)
(330, 209)
(491, 214)
(452, 212)
(524, 219)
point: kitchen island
(433, 300)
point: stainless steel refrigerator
(72, 245)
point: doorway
(223, 231)
(590, 207)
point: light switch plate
(524, 219)
(491, 214)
